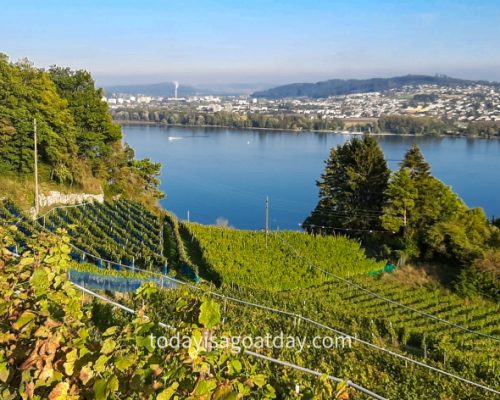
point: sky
(268, 41)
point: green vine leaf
(210, 314)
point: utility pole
(267, 215)
(37, 203)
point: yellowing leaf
(27, 261)
(86, 374)
(112, 384)
(204, 387)
(59, 392)
(4, 372)
(195, 345)
(259, 380)
(25, 318)
(108, 346)
(100, 364)
(123, 363)
(168, 393)
(110, 331)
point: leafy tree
(77, 140)
(431, 220)
(95, 128)
(351, 190)
(27, 93)
(482, 277)
(149, 172)
(407, 125)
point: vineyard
(121, 232)
(431, 324)
(10, 215)
(253, 259)
(322, 285)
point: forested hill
(78, 144)
(336, 87)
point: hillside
(336, 87)
(58, 342)
(79, 147)
(386, 318)
(143, 271)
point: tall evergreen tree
(401, 197)
(351, 189)
(416, 164)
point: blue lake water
(226, 174)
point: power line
(326, 327)
(358, 286)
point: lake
(224, 175)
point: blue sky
(224, 41)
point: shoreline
(160, 124)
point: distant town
(462, 104)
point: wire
(313, 322)
(247, 352)
(62, 207)
(374, 294)
(338, 332)
(344, 229)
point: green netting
(389, 267)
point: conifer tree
(351, 189)
(416, 164)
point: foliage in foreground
(50, 348)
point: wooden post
(37, 200)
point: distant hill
(165, 89)
(336, 87)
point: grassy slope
(21, 189)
